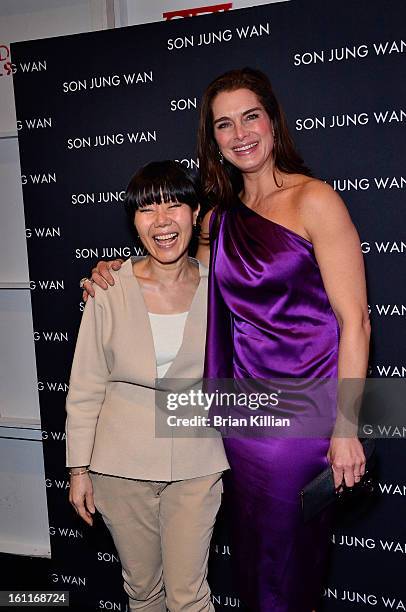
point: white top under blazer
(167, 333)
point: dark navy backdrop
(93, 107)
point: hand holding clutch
(321, 492)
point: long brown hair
(221, 181)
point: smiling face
(243, 130)
(165, 229)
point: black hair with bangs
(161, 181)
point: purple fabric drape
(269, 317)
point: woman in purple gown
(287, 299)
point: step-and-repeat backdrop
(91, 108)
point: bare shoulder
(317, 194)
(319, 205)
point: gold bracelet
(84, 471)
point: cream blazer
(111, 401)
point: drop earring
(221, 158)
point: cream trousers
(162, 532)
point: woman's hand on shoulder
(101, 276)
(203, 250)
(81, 496)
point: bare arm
(338, 253)
(203, 251)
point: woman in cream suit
(158, 496)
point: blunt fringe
(161, 181)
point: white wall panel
(18, 376)
(13, 248)
(42, 19)
(23, 506)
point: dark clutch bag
(321, 492)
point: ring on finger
(84, 280)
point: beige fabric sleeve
(87, 386)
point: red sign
(4, 53)
(6, 67)
(201, 10)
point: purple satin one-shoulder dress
(269, 317)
